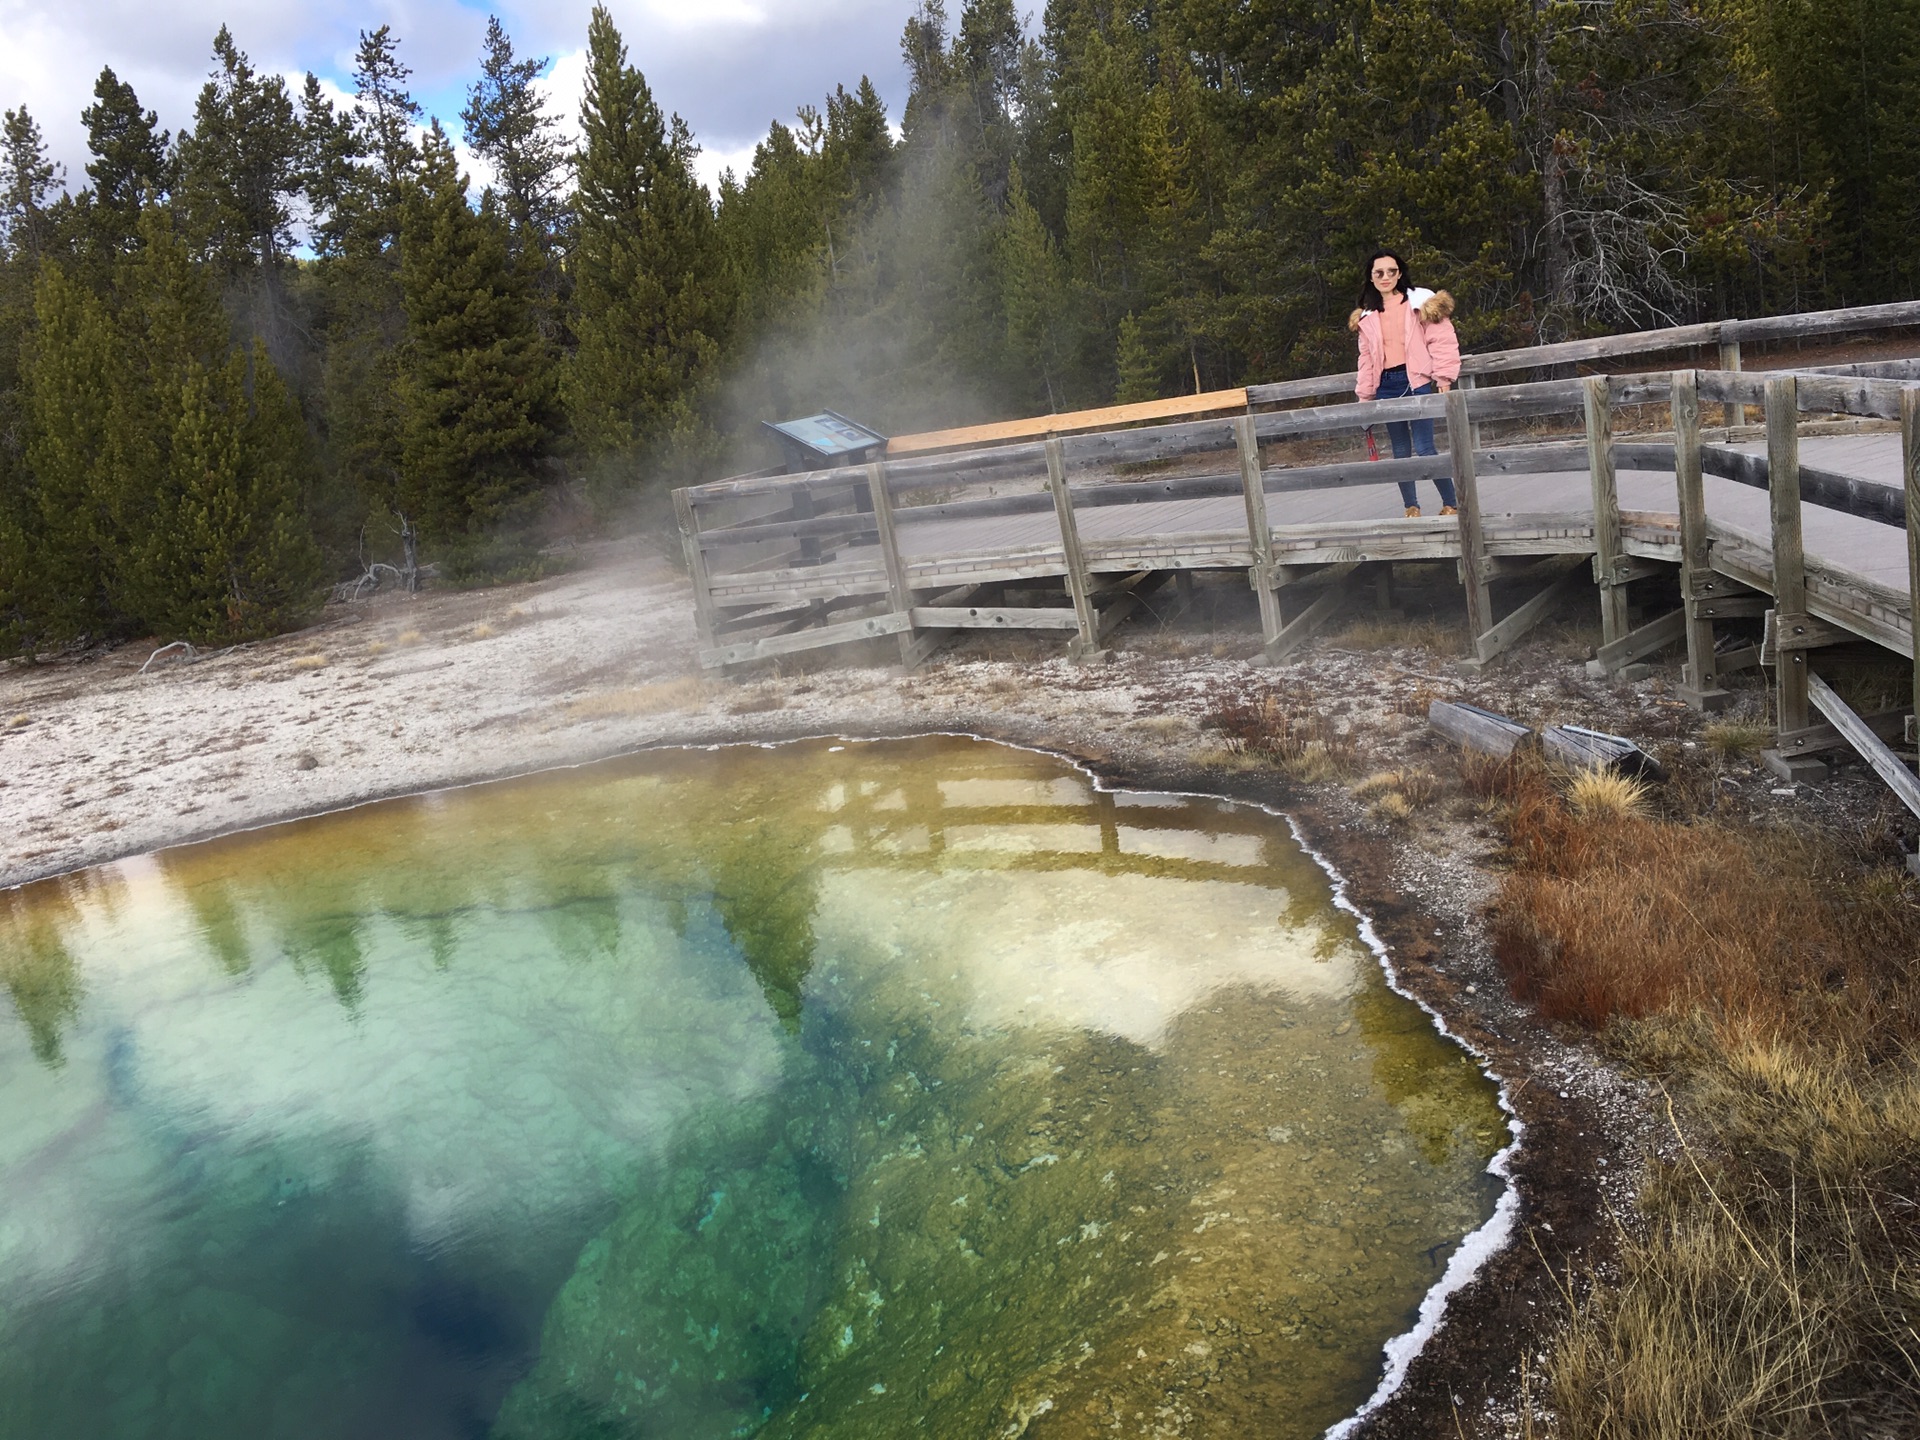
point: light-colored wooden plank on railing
(1607, 549)
(1259, 530)
(1473, 553)
(1789, 555)
(1038, 427)
(1087, 643)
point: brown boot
(1413, 512)
(1449, 510)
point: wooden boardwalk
(1802, 522)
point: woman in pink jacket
(1407, 347)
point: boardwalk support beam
(1910, 472)
(1473, 549)
(1888, 766)
(1086, 644)
(1607, 549)
(1700, 687)
(1524, 617)
(1259, 530)
(1789, 577)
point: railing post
(1702, 689)
(1736, 413)
(696, 568)
(899, 597)
(1910, 469)
(1086, 643)
(1606, 510)
(1247, 441)
(1473, 556)
(1789, 554)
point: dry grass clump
(1597, 794)
(1771, 980)
(483, 631)
(1284, 728)
(1397, 794)
(308, 662)
(1386, 632)
(1774, 1287)
(1735, 739)
(18, 720)
(1620, 914)
(377, 647)
(409, 637)
(651, 699)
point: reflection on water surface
(821, 1091)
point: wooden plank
(703, 618)
(1041, 426)
(1735, 414)
(1910, 475)
(1523, 618)
(1473, 551)
(1789, 556)
(1478, 729)
(1888, 766)
(914, 648)
(1598, 403)
(1259, 530)
(1636, 644)
(1887, 724)
(1128, 596)
(1088, 640)
(1579, 748)
(899, 594)
(1849, 494)
(840, 634)
(994, 617)
(1297, 631)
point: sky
(730, 67)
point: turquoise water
(827, 1091)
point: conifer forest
(245, 360)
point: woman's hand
(1443, 386)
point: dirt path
(398, 695)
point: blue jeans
(1412, 437)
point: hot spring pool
(828, 1090)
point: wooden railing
(784, 553)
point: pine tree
(239, 166)
(474, 387)
(508, 126)
(1034, 293)
(60, 581)
(29, 183)
(130, 161)
(649, 301)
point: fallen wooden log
(1581, 749)
(1478, 729)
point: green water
(820, 1091)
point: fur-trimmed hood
(1433, 305)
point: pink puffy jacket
(1433, 350)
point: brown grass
(1382, 632)
(308, 662)
(1769, 1284)
(1285, 728)
(409, 637)
(1628, 915)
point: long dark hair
(1369, 296)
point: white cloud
(728, 66)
